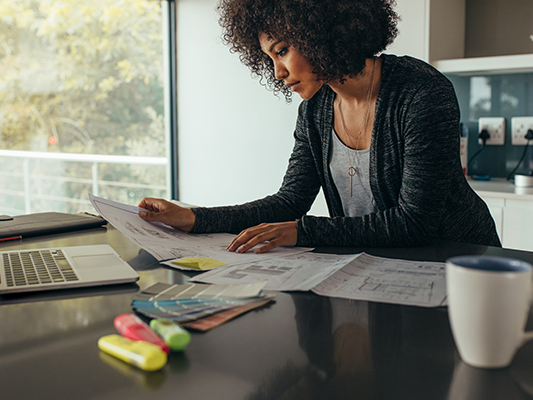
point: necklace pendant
(351, 171)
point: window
(85, 91)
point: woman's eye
(282, 52)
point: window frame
(172, 96)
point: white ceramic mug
(488, 305)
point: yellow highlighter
(143, 355)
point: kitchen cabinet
(518, 225)
(496, 206)
(519, 63)
(430, 29)
(444, 34)
(512, 210)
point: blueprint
(291, 272)
(386, 280)
(166, 243)
(357, 277)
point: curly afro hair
(335, 36)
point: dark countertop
(303, 346)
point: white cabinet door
(496, 209)
(518, 225)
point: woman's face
(291, 67)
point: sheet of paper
(296, 272)
(358, 277)
(389, 281)
(167, 243)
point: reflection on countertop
(69, 310)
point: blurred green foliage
(82, 76)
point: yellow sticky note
(198, 262)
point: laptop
(35, 270)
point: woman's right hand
(160, 210)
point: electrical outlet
(519, 128)
(496, 128)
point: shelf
(520, 63)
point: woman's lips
(293, 86)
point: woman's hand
(160, 210)
(277, 234)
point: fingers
(152, 216)
(146, 203)
(152, 204)
(250, 238)
(242, 242)
(272, 244)
(164, 211)
(273, 235)
(155, 209)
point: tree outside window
(81, 77)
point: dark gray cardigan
(415, 172)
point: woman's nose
(280, 72)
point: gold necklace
(351, 169)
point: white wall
(234, 136)
(412, 29)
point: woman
(378, 133)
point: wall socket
(496, 128)
(519, 128)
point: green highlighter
(174, 336)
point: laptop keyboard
(35, 267)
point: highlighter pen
(132, 327)
(144, 355)
(10, 238)
(174, 335)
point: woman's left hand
(277, 234)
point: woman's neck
(354, 106)
(355, 90)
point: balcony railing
(25, 174)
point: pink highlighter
(132, 327)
